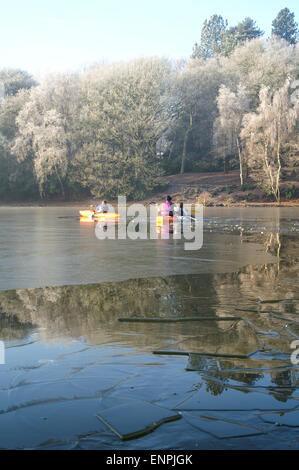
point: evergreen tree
(285, 26)
(248, 30)
(211, 38)
(236, 35)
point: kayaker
(167, 207)
(180, 210)
(103, 208)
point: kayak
(87, 213)
(161, 219)
(100, 215)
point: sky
(43, 36)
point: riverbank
(210, 189)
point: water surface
(49, 246)
(68, 357)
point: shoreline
(86, 204)
(215, 189)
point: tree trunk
(278, 173)
(241, 163)
(184, 152)
(246, 172)
(185, 146)
(224, 164)
(60, 183)
(269, 170)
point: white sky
(57, 35)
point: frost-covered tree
(191, 131)
(232, 107)
(46, 132)
(268, 133)
(16, 178)
(13, 80)
(262, 63)
(125, 113)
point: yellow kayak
(98, 215)
(87, 213)
(162, 219)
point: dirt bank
(221, 189)
(210, 189)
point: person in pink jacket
(167, 207)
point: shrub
(267, 190)
(230, 188)
(290, 192)
(230, 201)
(247, 187)
(249, 197)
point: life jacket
(166, 208)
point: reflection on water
(66, 345)
(68, 357)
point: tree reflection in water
(264, 296)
